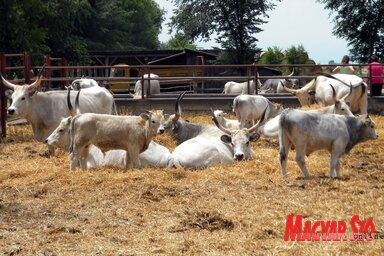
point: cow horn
(293, 72)
(37, 83)
(350, 92)
(177, 107)
(333, 93)
(69, 104)
(293, 91)
(254, 128)
(225, 130)
(8, 84)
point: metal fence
(198, 78)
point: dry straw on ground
(237, 209)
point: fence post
(27, 68)
(3, 101)
(64, 71)
(256, 80)
(47, 71)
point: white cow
(239, 139)
(130, 133)
(44, 110)
(83, 83)
(241, 88)
(225, 122)
(251, 107)
(308, 132)
(199, 146)
(154, 86)
(349, 88)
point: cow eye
(153, 121)
(342, 109)
(23, 98)
(247, 143)
(61, 130)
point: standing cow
(308, 132)
(349, 88)
(130, 133)
(151, 86)
(44, 110)
(250, 107)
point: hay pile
(234, 209)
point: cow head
(368, 131)
(60, 137)
(22, 94)
(305, 95)
(156, 120)
(240, 139)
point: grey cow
(309, 131)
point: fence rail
(196, 75)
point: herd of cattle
(95, 135)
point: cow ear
(337, 104)
(226, 139)
(144, 116)
(254, 137)
(166, 117)
(69, 120)
(8, 93)
(348, 103)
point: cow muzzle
(239, 156)
(160, 130)
(11, 111)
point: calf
(107, 132)
(225, 122)
(309, 132)
(250, 107)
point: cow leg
(134, 155)
(74, 157)
(334, 165)
(128, 161)
(84, 157)
(300, 160)
(285, 145)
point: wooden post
(47, 71)
(64, 72)
(27, 68)
(3, 101)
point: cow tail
(282, 135)
(363, 89)
(235, 105)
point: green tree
(234, 21)
(179, 42)
(361, 24)
(273, 55)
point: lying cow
(241, 88)
(239, 139)
(308, 132)
(276, 85)
(250, 107)
(153, 88)
(130, 133)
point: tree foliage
(361, 23)
(235, 22)
(273, 55)
(70, 28)
(179, 42)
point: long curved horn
(69, 104)
(37, 83)
(9, 84)
(254, 128)
(225, 130)
(333, 93)
(346, 96)
(293, 71)
(293, 91)
(177, 107)
(77, 104)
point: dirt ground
(237, 209)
